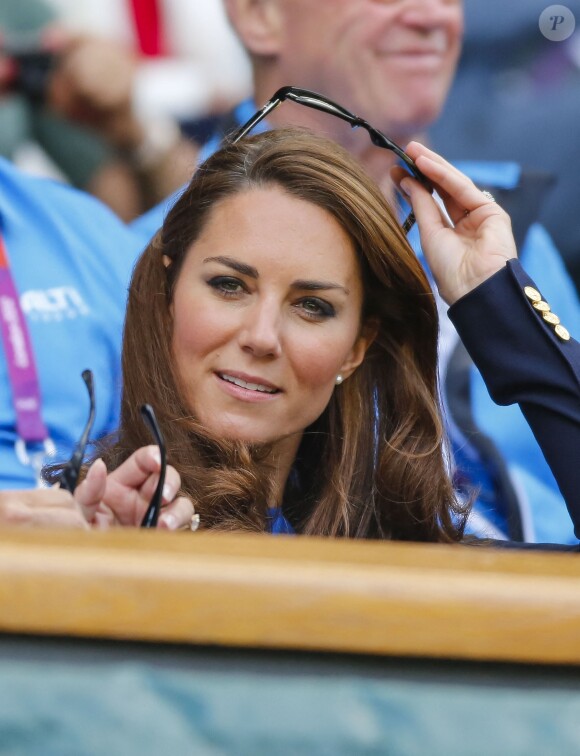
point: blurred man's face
(389, 61)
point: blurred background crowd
(67, 69)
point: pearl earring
(339, 379)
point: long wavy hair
(373, 464)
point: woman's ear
(257, 23)
(367, 335)
(166, 261)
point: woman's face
(266, 314)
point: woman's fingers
(460, 195)
(170, 488)
(46, 507)
(428, 213)
(138, 467)
(130, 488)
(469, 242)
(55, 517)
(177, 515)
(91, 491)
(129, 505)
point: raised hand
(478, 241)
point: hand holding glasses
(71, 471)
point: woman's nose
(260, 330)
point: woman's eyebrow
(243, 268)
(317, 285)
(249, 270)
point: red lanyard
(148, 22)
(22, 373)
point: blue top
(277, 523)
(71, 260)
(542, 507)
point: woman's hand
(122, 497)
(480, 241)
(41, 508)
(102, 500)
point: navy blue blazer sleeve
(523, 360)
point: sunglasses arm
(152, 514)
(256, 118)
(70, 474)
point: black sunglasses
(318, 102)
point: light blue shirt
(71, 260)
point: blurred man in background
(32, 133)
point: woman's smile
(246, 388)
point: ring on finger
(488, 195)
(194, 522)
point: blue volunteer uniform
(70, 259)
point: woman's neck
(278, 465)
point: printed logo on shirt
(53, 305)
(9, 314)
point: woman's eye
(317, 308)
(227, 285)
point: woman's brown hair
(373, 464)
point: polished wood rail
(451, 602)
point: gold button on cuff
(551, 318)
(541, 306)
(532, 294)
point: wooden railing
(451, 602)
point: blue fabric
(502, 175)
(150, 222)
(544, 508)
(278, 524)
(71, 260)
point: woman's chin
(233, 430)
(250, 432)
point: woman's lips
(247, 387)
